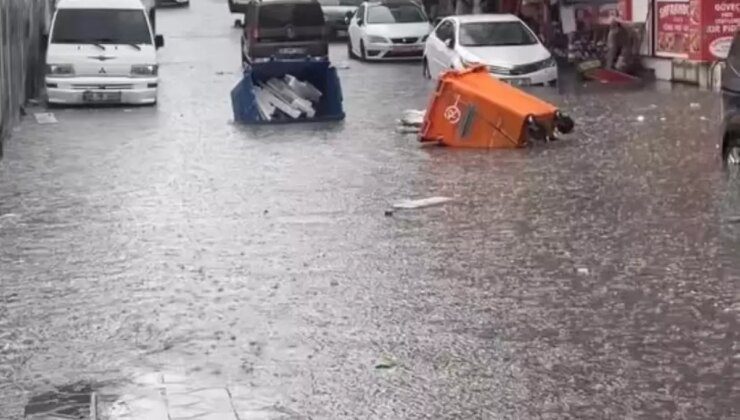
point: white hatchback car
(395, 29)
(504, 43)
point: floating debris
(421, 203)
(45, 118)
(385, 363)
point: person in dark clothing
(431, 7)
(531, 23)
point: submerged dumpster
(288, 91)
(472, 109)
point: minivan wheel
(425, 69)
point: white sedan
(503, 43)
(395, 29)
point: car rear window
(281, 15)
(109, 26)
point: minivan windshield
(103, 26)
(488, 34)
(275, 16)
(401, 13)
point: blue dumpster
(320, 74)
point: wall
(22, 26)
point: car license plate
(407, 48)
(101, 97)
(292, 51)
(519, 81)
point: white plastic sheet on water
(421, 203)
(45, 118)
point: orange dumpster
(470, 108)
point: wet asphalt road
(595, 278)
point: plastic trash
(413, 117)
(45, 118)
(305, 89)
(424, 202)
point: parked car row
(399, 29)
(394, 30)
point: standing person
(616, 43)
(431, 7)
(463, 7)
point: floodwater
(595, 277)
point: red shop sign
(672, 28)
(721, 21)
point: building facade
(23, 24)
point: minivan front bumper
(77, 90)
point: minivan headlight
(373, 39)
(60, 70)
(144, 70)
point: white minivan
(102, 52)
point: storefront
(700, 30)
(586, 25)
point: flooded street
(591, 278)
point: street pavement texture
(165, 257)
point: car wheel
(363, 53)
(351, 54)
(425, 69)
(731, 149)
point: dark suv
(280, 29)
(731, 105)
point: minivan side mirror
(450, 43)
(360, 22)
(159, 41)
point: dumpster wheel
(535, 130)
(564, 123)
